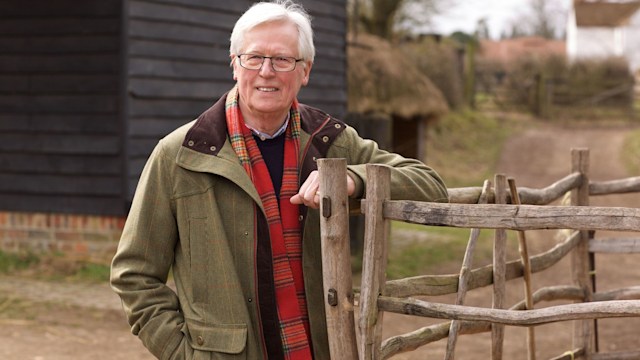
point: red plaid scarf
(284, 226)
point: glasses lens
(278, 63)
(283, 63)
(253, 62)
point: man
(220, 204)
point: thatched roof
(382, 80)
(605, 14)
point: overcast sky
(500, 15)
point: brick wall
(86, 237)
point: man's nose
(267, 68)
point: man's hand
(310, 196)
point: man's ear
(233, 66)
(307, 72)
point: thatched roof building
(381, 80)
(389, 99)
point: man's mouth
(267, 89)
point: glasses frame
(296, 61)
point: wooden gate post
(374, 261)
(499, 271)
(336, 258)
(583, 329)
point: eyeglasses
(278, 63)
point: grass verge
(52, 267)
(418, 249)
(631, 152)
(464, 148)
(10, 263)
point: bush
(583, 84)
(523, 75)
(588, 79)
(439, 60)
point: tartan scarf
(284, 225)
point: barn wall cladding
(60, 119)
(87, 88)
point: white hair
(279, 10)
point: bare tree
(482, 29)
(544, 18)
(385, 18)
(542, 22)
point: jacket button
(300, 218)
(249, 299)
(246, 233)
(200, 340)
(338, 126)
(213, 148)
(325, 139)
(191, 142)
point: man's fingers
(308, 192)
(296, 199)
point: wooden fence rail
(591, 310)
(514, 217)
(433, 285)
(470, 195)
(522, 209)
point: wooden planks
(60, 144)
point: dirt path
(41, 320)
(54, 321)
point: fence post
(583, 329)
(374, 262)
(470, 74)
(499, 270)
(526, 269)
(336, 258)
(463, 278)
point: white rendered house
(600, 29)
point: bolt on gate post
(336, 258)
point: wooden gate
(500, 207)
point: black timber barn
(88, 87)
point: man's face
(264, 93)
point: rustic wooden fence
(501, 207)
(556, 97)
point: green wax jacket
(193, 214)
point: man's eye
(282, 59)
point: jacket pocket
(217, 341)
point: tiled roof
(508, 50)
(604, 14)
